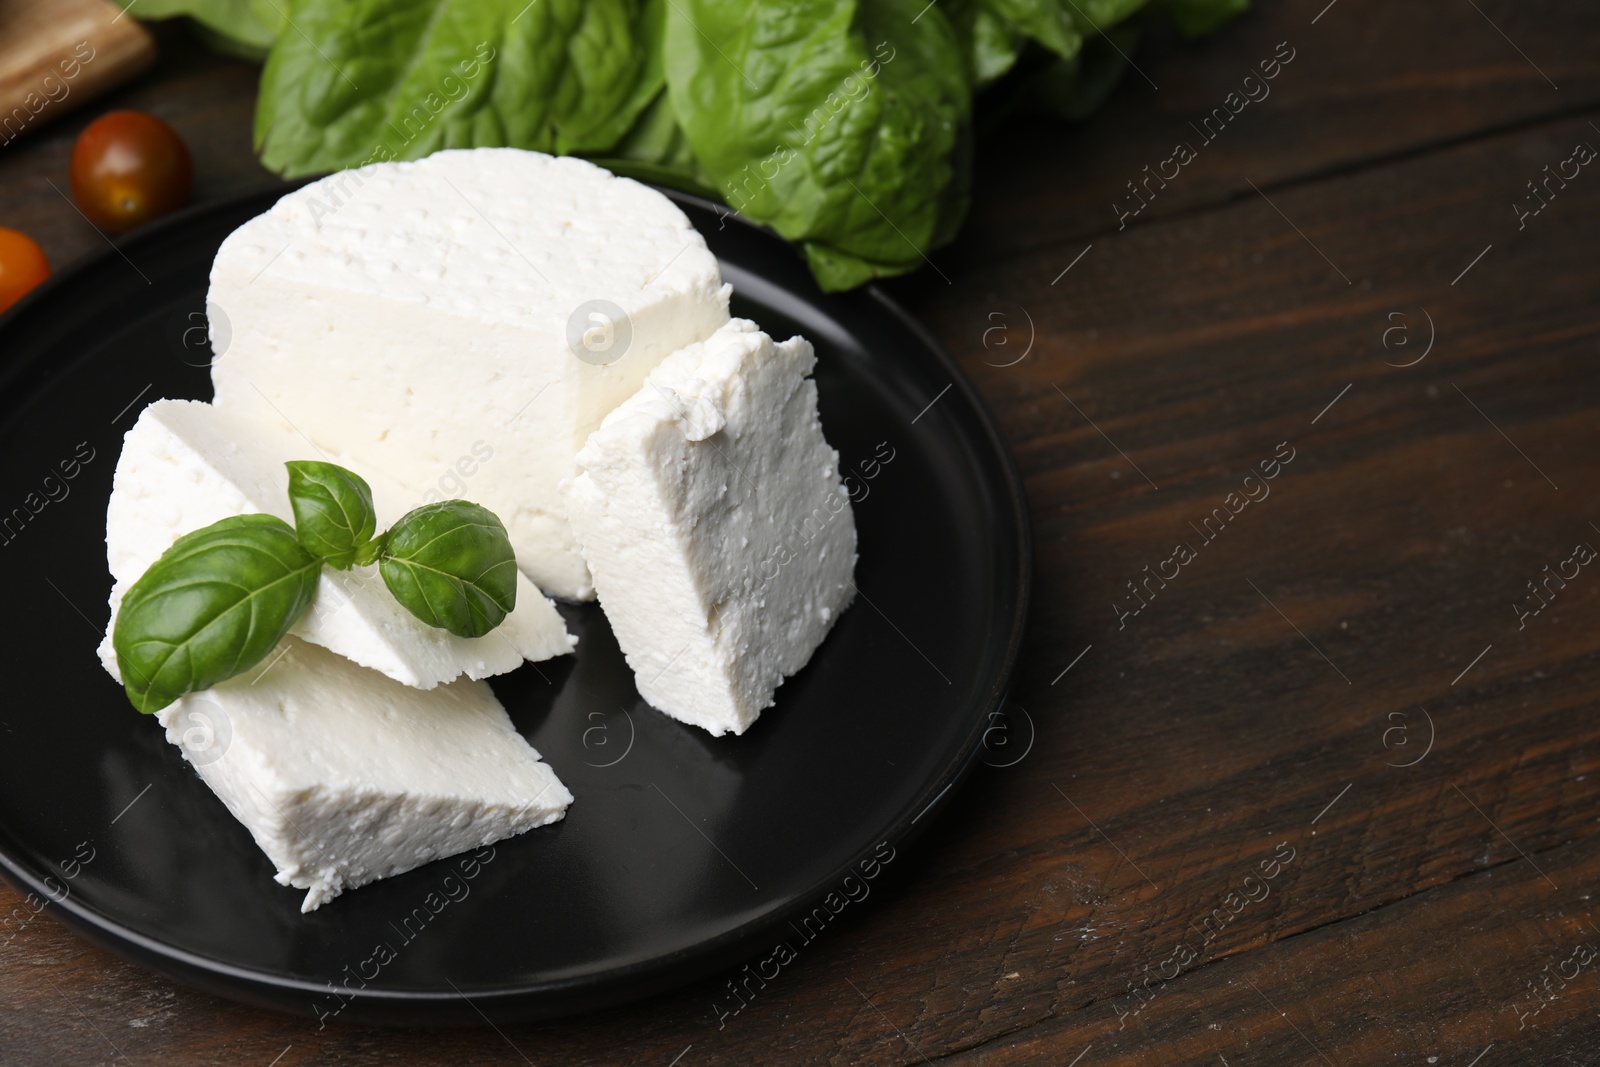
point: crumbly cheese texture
(713, 518)
(402, 313)
(186, 464)
(344, 776)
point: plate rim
(624, 984)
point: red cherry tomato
(129, 168)
(22, 266)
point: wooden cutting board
(57, 54)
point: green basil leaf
(360, 81)
(211, 607)
(452, 566)
(333, 513)
(842, 125)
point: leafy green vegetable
(1062, 26)
(656, 150)
(236, 27)
(333, 514)
(847, 127)
(841, 125)
(452, 566)
(992, 46)
(360, 81)
(1049, 22)
(211, 607)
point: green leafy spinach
(841, 125)
(244, 28)
(845, 126)
(360, 81)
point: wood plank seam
(1348, 168)
(1245, 951)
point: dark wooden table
(1327, 791)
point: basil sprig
(221, 598)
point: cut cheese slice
(712, 515)
(405, 313)
(185, 465)
(344, 776)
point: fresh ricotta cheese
(713, 518)
(185, 465)
(344, 776)
(403, 312)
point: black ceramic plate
(682, 853)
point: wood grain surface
(57, 55)
(1314, 790)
